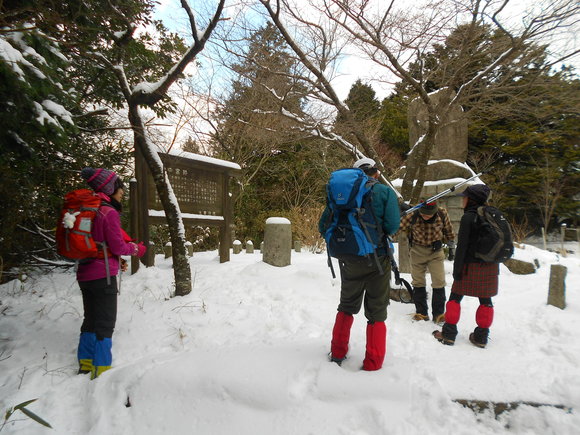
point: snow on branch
(150, 93)
(316, 130)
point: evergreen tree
(281, 171)
(385, 124)
(50, 86)
(539, 146)
(394, 129)
(362, 102)
(522, 121)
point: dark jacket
(467, 238)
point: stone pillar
(249, 247)
(237, 247)
(451, 141)
(277, 242)
(167, 250)
(189, 247)
(297, 246)
(557, 292)
(404, 262)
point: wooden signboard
(201, 186)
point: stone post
(557, 292)
(189, 247)
(237, 247)
(249, 247)
(404, 262)
(167, 250)
(277, 242)
(297, 246)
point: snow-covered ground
(246, 353)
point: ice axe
(439, 195)
(398, 280)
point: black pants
(361, 279)
(100, 306)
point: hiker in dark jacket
(361, 280)
(98, 277)
(428, 228)
(471, 276)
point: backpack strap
(103, 245)
(379, 227)
(411, 223)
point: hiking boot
(441, 339)
(417, 317)
(479, 337)
(338, 361)
(439, 319)
(476, 343)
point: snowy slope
(246, 353)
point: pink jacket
(107, 228)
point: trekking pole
(120, 274)
(440, 195)
(398, 279)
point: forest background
(255, 97)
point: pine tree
(50, 86)
(281, 171)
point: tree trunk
(181, 269)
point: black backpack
(494, 242)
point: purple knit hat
(100, 180)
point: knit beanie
(100, 180)
(477, 192)
(429, 209)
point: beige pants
(424, 259)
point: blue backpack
(352, 228)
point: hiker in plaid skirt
(471, 276)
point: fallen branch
(480, 406)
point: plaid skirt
(478, 279)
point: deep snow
(246, 353)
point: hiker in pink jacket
(98, 277)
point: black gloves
(451, 254)
(403, 206)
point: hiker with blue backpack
(97, 276)
(360, 213)
(484, 241)
(428, 228)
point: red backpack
(73, 232)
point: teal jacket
(386, 208)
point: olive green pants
(361, 280)
(424, 259)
